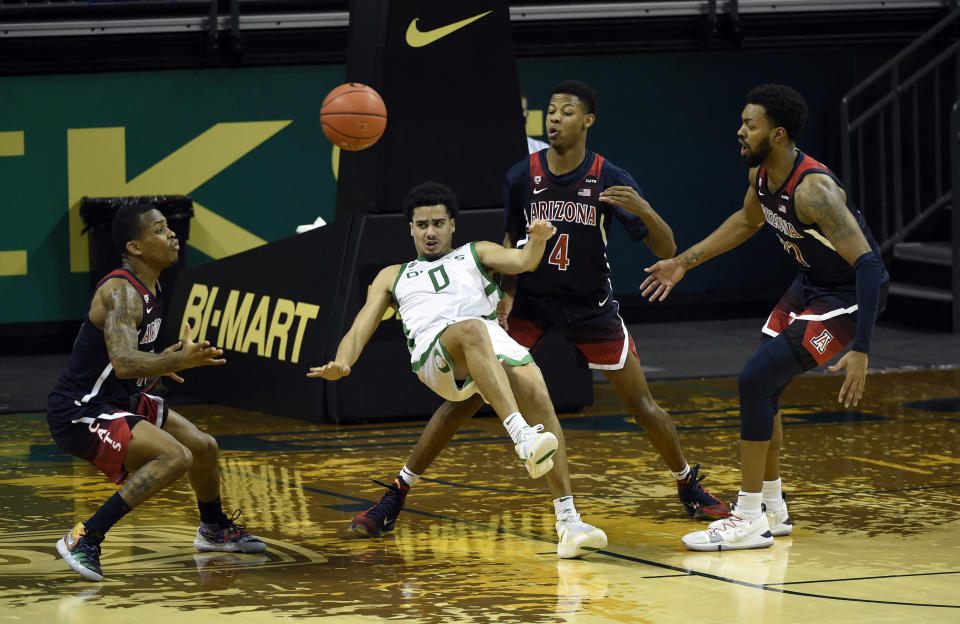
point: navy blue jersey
(575, 260)
(820, 264)
(88, 378)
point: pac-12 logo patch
(820, 342)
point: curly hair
(784, 106)
(430, 194)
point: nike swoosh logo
(417, 38)
(603, 302)
(538, 191)
(149, 310)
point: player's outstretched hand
(664, 275)
(541, 229)
(330, 371)
(854, 364)
(199, 353)
(173, 349)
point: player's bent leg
(155, 460)
(576, 538)
(222, 533)
(539, 444)
(631, 384)
(440, 429)
(204, 471)
(534, 402)
(468, 344)
(449, 417)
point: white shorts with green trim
(437, 370)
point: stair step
(930, 253)
(921, 292)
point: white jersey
(432, 294)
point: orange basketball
(353, 116)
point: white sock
(515, 424)
(773, 494)
(748, 503)
(683, 473)
(408, 476)
(564, 508)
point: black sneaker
(81, 553)
(697, 500)
(382, 517)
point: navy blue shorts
(592, 324)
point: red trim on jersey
(145, 293)
(127, 275)
(536, 169)
(807, 164)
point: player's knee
(459, 411)
(179, 459)
(206, 446)
(645, 409)
(472, 332)
(753, 384)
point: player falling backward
(448, 305)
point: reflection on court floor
(871, 490)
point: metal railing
(900, 186)
(955, 216)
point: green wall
(668, 118)
(283, 181)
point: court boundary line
(665, 566)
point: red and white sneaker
(736, 532)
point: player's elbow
(667, 250)
(662, 247)
(123, 370)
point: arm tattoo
(123, 311)
(137, 487)
(690, 258)
(823, 207)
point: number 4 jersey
(432, 294)
(575, 260)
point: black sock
(212, 512)
(108, 515)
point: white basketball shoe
(536, 449)
(736, 532)
(577, 538)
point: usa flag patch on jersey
(584, 192)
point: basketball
(353, 116)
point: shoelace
(692, 478)
(90, 549)
(230, 525)
(379, 511)
(531, 432)
(571, 519)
